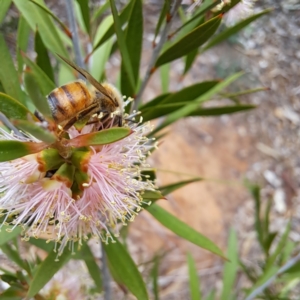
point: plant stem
(105, 275)
(156, 51)
(73, 28)
(285, 267)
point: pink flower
(90, 192)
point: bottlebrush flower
(78, 185)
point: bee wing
(87, 75)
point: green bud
(65, 174)
(49, 159)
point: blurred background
(261, 146)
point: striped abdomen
(68, 100)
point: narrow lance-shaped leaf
(162, 17)
(193, 279)
(10, 150)
(14, 255)
(36, 17)
(35, 94)
(44, 82)
(204, 7)
(221, 110)
(182, 229)
(36, 131)
(13, 109)
(154, 275)
(52, 15)
(165, 77)
(167, 189)
(102, 137)
(85, 12)
(152, 103)
(122, 43)
(232, 30)
(101, 55)
(4, 6)
(22, 41)
(186, 110)
(281, 244)
(8, 74)
(190, 42)
(124, 269)
(98, 12)
(133, 40)
(42, 59)
(111, 30)
(46, 271)
(174, 101)
(231, 267)
(7, 234)
(92, 266)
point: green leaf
(13, 109)
(133, 40)
(183, 230)
(154, 275)
(263, 278)
(124, 268)
(190, 42)
(211, 295)
(244, 92)
(232, 30)
(279, 248)
(43, 60)
(92, 266)
(4, 6)
(12, 293)
(172, 102)
(255, 191)
(204, 7)
(221, 110)
(124, 15)
(52, 15)
(42, 79)
(101, 55)
(7, 234)
(152, 195)
(14, 256)
(193, 279)
(189, 60)
(167, 189)
(85, 12)
(35, 130)
(100, 11)
(46, 271)
(14, 149)
(22, 41)
(35, 94)
(8, 74)
(122, 44)
(42, 244)
(186, 110)
(103, 137)
(162, 17)
(36, 17)
(231, 267)
(165, 77)
(152, 103)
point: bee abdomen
(66, 101)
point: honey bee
(75, 101)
